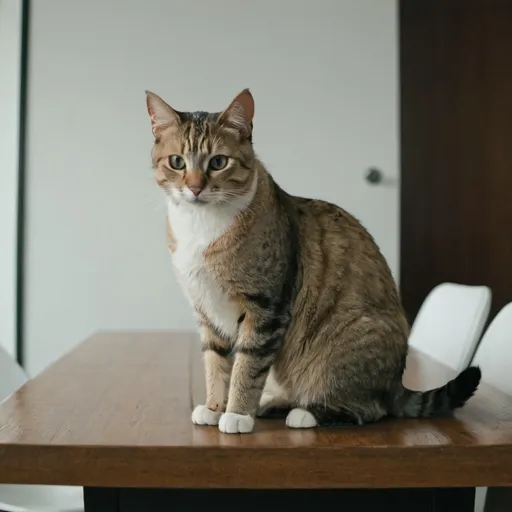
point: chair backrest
(494, 354)
(450, 322)
(12, 375)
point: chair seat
(41, 498)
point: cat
(296, 306)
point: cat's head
(201, 157)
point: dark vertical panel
(456, 146)
(22, 137)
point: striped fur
(296, 304)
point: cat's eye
(177, 162)
(218, 162)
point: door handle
(373, 176)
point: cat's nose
(195, 190)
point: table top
(115, 411)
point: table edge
(355, 467)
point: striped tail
(443, 400)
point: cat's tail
(454, 394)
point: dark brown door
(456, 146)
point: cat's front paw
(201, 415)
(232, 423)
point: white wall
(324, 77)
(10, 46)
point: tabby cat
(296, 305)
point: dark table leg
(101, 499)
(397, 500)
(498, 499)
(453, 499)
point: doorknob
(373, 176)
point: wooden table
(114, 416)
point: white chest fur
(195, 227)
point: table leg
(453, 499)
(397, 500)
(101, 499)
(498, 499)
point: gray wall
(10, 39)
(323, 74)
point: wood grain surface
(116, 410)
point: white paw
(201, 415)
(232, 423)
(299, 418)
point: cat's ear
(240, 113)
(161, 114)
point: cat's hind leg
(273, 405)
(321, 416)
(274, 401)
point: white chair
(450, 322)
(494, 356)
(31, 498)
